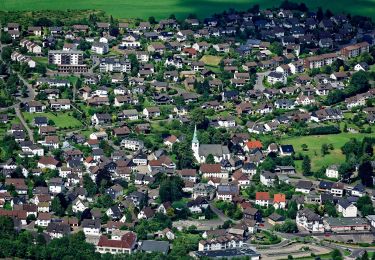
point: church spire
(195, 137)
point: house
(132, 144)
(227, 192)
(276, 77)
(166, 233)
(304, 186)
(78, 205)
(197, 205)
(341, 225)
(347, 209)
(189, 175)
(286, 150)
(58, 230)
(221, 243)
(48, 162)
(91, 227)
(358, 190)
(275, 219)
(122, 245)
(151, 112)
(203, 190)
(337, 189)
(213, 171)
(262, 198)
(267, 178)
(146, 213)
(101, 119)
(279, 201)
(34, 107)
(164, 207)
(131, 114)
(285, 169)
(55, 185)
(361, 66)
(332, 171)
(242, 179)
(43, 219)
(115, 191)
(100, 48)
(60, 104)
(309, 220)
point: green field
(62, 120)
(314, 144)
(181, 8)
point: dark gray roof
(154, 246)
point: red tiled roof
(262, 195)
(127, 241)
(279, 198)
(254, 144)
(210, 168)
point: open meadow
(181, 8)
(314, 144)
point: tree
(304, 147)
(365, 173)
(171, 189)
(336, 255)
(152, 20)
(306, 165)
(57, 207)
(276, 48)
(89, 185)
(105, 201)
(5, 38)
(324, 149)
(210, 159)
(288, 226)
(364, 204)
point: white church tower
(195, 145)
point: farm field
(181, 8)
(61, 119)
(211, 60)
(314, 144)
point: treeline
(324, 130)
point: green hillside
(163, 8)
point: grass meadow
(314, 144)
(181, 8)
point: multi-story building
(114, 65)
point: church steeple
(195, 144)
(195, 137)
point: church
(201, 151)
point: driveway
(259, 82)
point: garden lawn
(211, 60)
(61, 119)
(181, 8)
(314, 144)
(41, 60)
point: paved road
(25, 125)
(218, 212)
(259, 82)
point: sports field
(181, 8)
